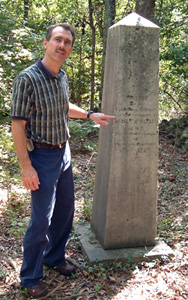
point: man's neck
(52, 69)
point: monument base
(94, 252)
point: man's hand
(101, 118)
(29, 175)
(30, 178)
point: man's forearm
(19, 138)
(99, 118)
(29, 174)
(77, 112)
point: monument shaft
(125, 197)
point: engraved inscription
(136, 126)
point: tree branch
(175, 102)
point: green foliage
(99, 270)
(9, 167)
(16, 224)
(83, 130)
(18, 228)
(172, 16)
(87, 208)
(21, 45)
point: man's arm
(99, 118)
(29, 175)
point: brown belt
(48, 146)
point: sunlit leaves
(21, 45)
(172, 17)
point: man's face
(59, 47)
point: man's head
(58, 43)
(63, 25)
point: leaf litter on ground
(160, 279)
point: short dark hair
(63, 25)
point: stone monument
(125, 197)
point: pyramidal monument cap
(135, 19)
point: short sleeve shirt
(43, 101)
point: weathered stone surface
(93, 251)
(125, 197)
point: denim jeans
(52, 209)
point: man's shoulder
(28, 73)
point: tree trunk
(145, 8)
(79, 77)
(91, 23)
(109, 16)
(26, 10)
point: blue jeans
(52, 210)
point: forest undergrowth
(164, 278)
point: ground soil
(165, 278)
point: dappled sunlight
(6, 195)
(161, 279)
(156, 280)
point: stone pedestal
(125, 197)
(93, 251)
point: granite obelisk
(125, 197)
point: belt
(48, 146)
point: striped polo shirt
(43, 101)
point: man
(40, 112)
